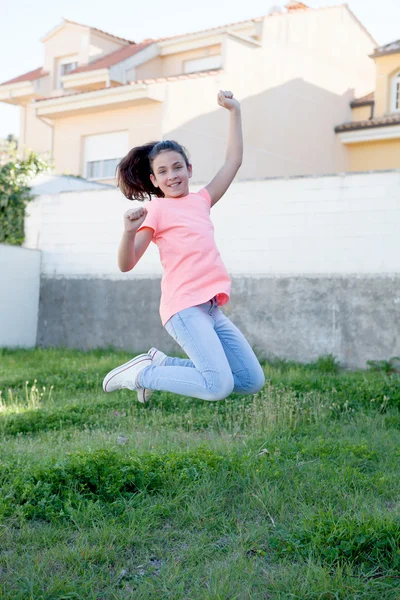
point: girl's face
(171, 174)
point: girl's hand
(134, 218)
(226, 100)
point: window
(202, 64)
(102, 169)
(68, 67)
(395, 104)
(64, 66)
(103, 152)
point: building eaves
(363, 101)
(117, 37)
(368, 124)
(140, 81)
(182, 35)
(30, 76)
(392, 48)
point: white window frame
(205, 63)
(102, 165)
(395, 95)
(104, 158)
(61, 62)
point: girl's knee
(260, 382)
(256, 382)
(221, 387)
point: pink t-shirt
(193, 268)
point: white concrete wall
(340, 224)
(19, 297)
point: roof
(391, 48)
(368, 124)
(294, 5)
(60, 25)
(51, 183)
(112, 59)
(364, 100)
(138, 81)
(127, 51)
(132, 47)
(30, 76)
(173, 37)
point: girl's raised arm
(234, 152)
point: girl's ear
(190, 170)
(153, 180)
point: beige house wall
(375, 156)
(103, 44)
(361, 113)
(174, 63)
(294, 89)
(149, 70)
(68, 41)
(34, 134)
(165, 66)
(143, 123)
(386, 67)
(74, 40)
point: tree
(11, 139)
(15, 177)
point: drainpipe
(49, 124)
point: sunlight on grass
(33, 398)
(289, 493)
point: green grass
(292, 493)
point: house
(294, 71)
(373, 134)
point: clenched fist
(134, 218)
(226, 100)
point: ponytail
(135, 169)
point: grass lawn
(291, 493)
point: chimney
(275, 10)
(293, 5)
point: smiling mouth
(174, 185)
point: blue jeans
(221, 359)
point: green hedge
(15, 177)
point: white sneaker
(157, 359)
(157, 356)
(125, 376)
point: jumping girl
(195, 282)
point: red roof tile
(293, 5)
(111, 59)
(30, 76)
(368, 124)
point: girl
(195, 282)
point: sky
(26, 22)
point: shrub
(15, 195)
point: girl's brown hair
(135, 169)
